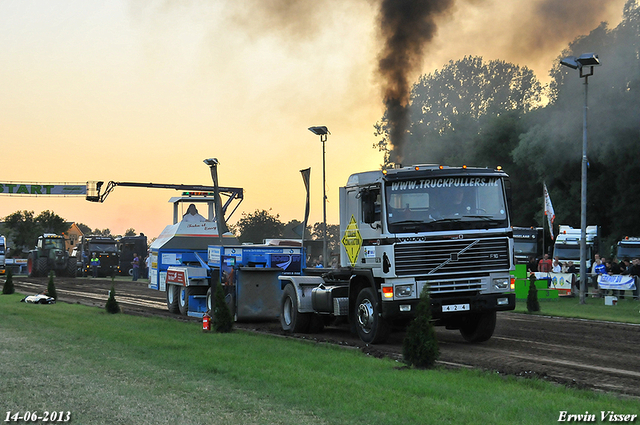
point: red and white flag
(548, 210)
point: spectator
(136, 266)
(532, 265)
(556, 266)
(95, 263)
(545, 265)
(634, 270)
(600, 268)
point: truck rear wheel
(173, 292)
(291, 319)
(478, 327)
(370, 325)
(183, 299)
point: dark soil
(601, 356)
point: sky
(144, 91)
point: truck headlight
(404, 291)
(501, 284)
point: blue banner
(616, 281)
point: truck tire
(72, 267)
(370, 325)
(42, 266)
(183, 299)
(291, 320)
(173, 292)
(478, 327)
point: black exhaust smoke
(407, 26)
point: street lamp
(586, 60)
(322, 131)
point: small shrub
(532, 296)
(51, 287)
(112, 305)
(8, 287)
(420, 345)
(222, 320)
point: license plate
(455, 307)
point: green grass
(627, 310)
(119, 369)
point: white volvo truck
(404, 230)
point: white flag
(548, 210)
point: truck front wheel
(291, 319)
(173, 292)
(370, 325)
(478, 327)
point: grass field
(119, 369)
(627, 310)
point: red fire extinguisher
(206, 323)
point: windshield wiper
(408, 222)
(484, 217)
(441, 220)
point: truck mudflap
(443, 307)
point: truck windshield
(568, 251)
(527, 247)
(445, 204)
(103, 247)
(628, 251)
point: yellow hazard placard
(352, 241)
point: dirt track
(601, 356)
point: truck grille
(460, 256)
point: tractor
(50, 254)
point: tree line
(489, 113)
(22, 229)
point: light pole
(586, 60)
(322, 131)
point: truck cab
(442, 229)
(567, 245)
(527, 242)
(628, 248)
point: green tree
(52, 223)
(103, 232)
(257, 226)
(51, 286)
(450, 106)
(533, 304)
(112, 305)
(130, 232)
(551, 146)
(8, 287)
(23, 229)
(333, 237)
(420, 345)
(222, 320)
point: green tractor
(50, 254)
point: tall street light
(585, 64)
(322, 131)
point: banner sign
(557, 280)
(616, 281)
(37, 189)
